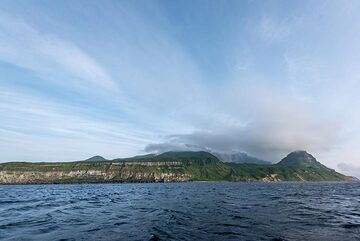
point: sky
(121, 78)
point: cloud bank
(273, 124)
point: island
(184, 166)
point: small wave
(120, 223)
(238, 217)
(233, 225)
(93, 230)
(154, 237)
(227, 233)
(162, 233)
(351, 225)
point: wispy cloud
(155, 74)
(41, 126)
(48, 55)
(274, 29)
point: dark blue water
(181, 211)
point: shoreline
(99, 183)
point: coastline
(220, 181)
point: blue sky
(119, 78)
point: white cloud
(49, 56)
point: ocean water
(181, 211)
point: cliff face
(90, 176)
(168, 167)
(117, 172)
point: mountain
(300, 159)
(168, 167)
(239, 157)
(95, 159)
(304, 166)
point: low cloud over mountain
(274, 124)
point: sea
(181, 211)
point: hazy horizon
(122, 78)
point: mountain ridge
(167, 167)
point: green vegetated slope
(201, 166)
(249, 172)
(168, 167)
(297, 166)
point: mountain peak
(96, 159)
(300, 158)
